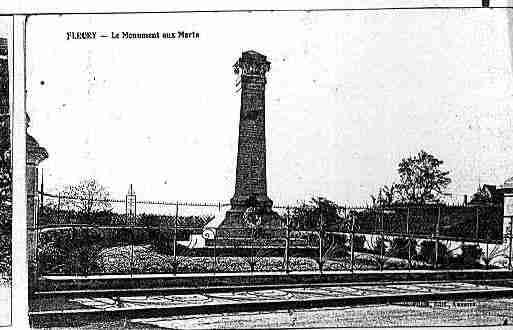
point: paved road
(464, 313)
(263, 296)
(134, 309)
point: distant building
(487, 194)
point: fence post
(382, 243)
(320, 240)
(131, 226)
(73, 266)
(409, 236)
(215, 250)
(487, 256)
(437, 241)
(352, 242)
(477, 233)
(59, 207)
(510, 241)
(251, 257)
(174, 238)
(477, 223)
(287, 238)
(81, 262)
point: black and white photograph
(283, 169)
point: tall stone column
(250, 176)
(250, 200)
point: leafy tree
(421, 180)
(318, 214)
(379, 245)
(87, 197)
(5, 206)
(5, 174)
(427, 252)
(382, 250)
(403, 247)
(486, 194)
(387, 196)
(359, 243)
(470, 255)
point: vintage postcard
(269, 169)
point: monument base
(235, 231)
(240, 203)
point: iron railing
(181, 237)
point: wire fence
(122, 236)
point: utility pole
(352, 243)
(321, 225)
(287, 241)
(510, 241)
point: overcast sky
(349, 94)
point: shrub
(5, 241)
(379, 246)
(427, 252)
(75, 250)
(470, 255)
(400, 248)
(336, 246)
(359, 243)
(51, 258)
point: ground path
(48, 310)
(483, 312)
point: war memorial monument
(250, 206)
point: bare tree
(387, 196)
(88, 196)
(5, 210)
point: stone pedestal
(235, 227)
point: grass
(147, 260)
